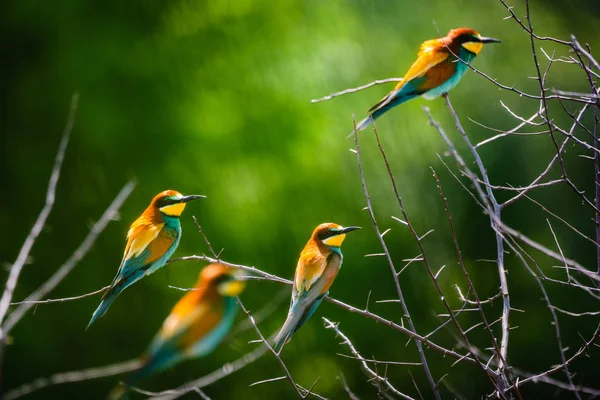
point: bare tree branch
(262, 338)
(73, 376)
(15, 270)
(393, 269)
(72, 261)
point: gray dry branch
(17, 266)
(8, 322)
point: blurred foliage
(214, 98)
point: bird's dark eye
(165, 201)
(468, 39)
(328, 233)
(223, 278)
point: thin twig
(61, 300)
(476, 302)
(351, 394)
(354, 90)
(548, 252)
(374, 361)
(373, 376)
(514, 16)
(551, 163)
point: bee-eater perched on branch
(319, 263)
(151, 240)
(196, 325)
(440, 65)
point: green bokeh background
(214, 98)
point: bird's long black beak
(191, 197)
(490, 40)
(350, 229)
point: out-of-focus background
(214, 98)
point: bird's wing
(143, 246)
(437, 75)
(190, 320)
(160, 245)
(431, 53)
(314, 275)
(311, 266)
(141, 233)
(310, 296)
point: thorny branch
(494, 213)
(393, 269)
(424, 259)
(373, 376)
(277, 356)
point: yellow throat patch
(335, 241)
(173, 210)
(232, 288)
(473, 47)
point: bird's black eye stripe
(328, 233)
(223, 278)
(165, 202)
(469, 39)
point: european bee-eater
(440, 65)
(319, 263)
(151, 240)
(196, 325)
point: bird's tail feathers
(374, 112)
(383, 102)
(390, 101)
(290, 326)
(107, 299)
(362, 125)
(387, 103)
(120, 283)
